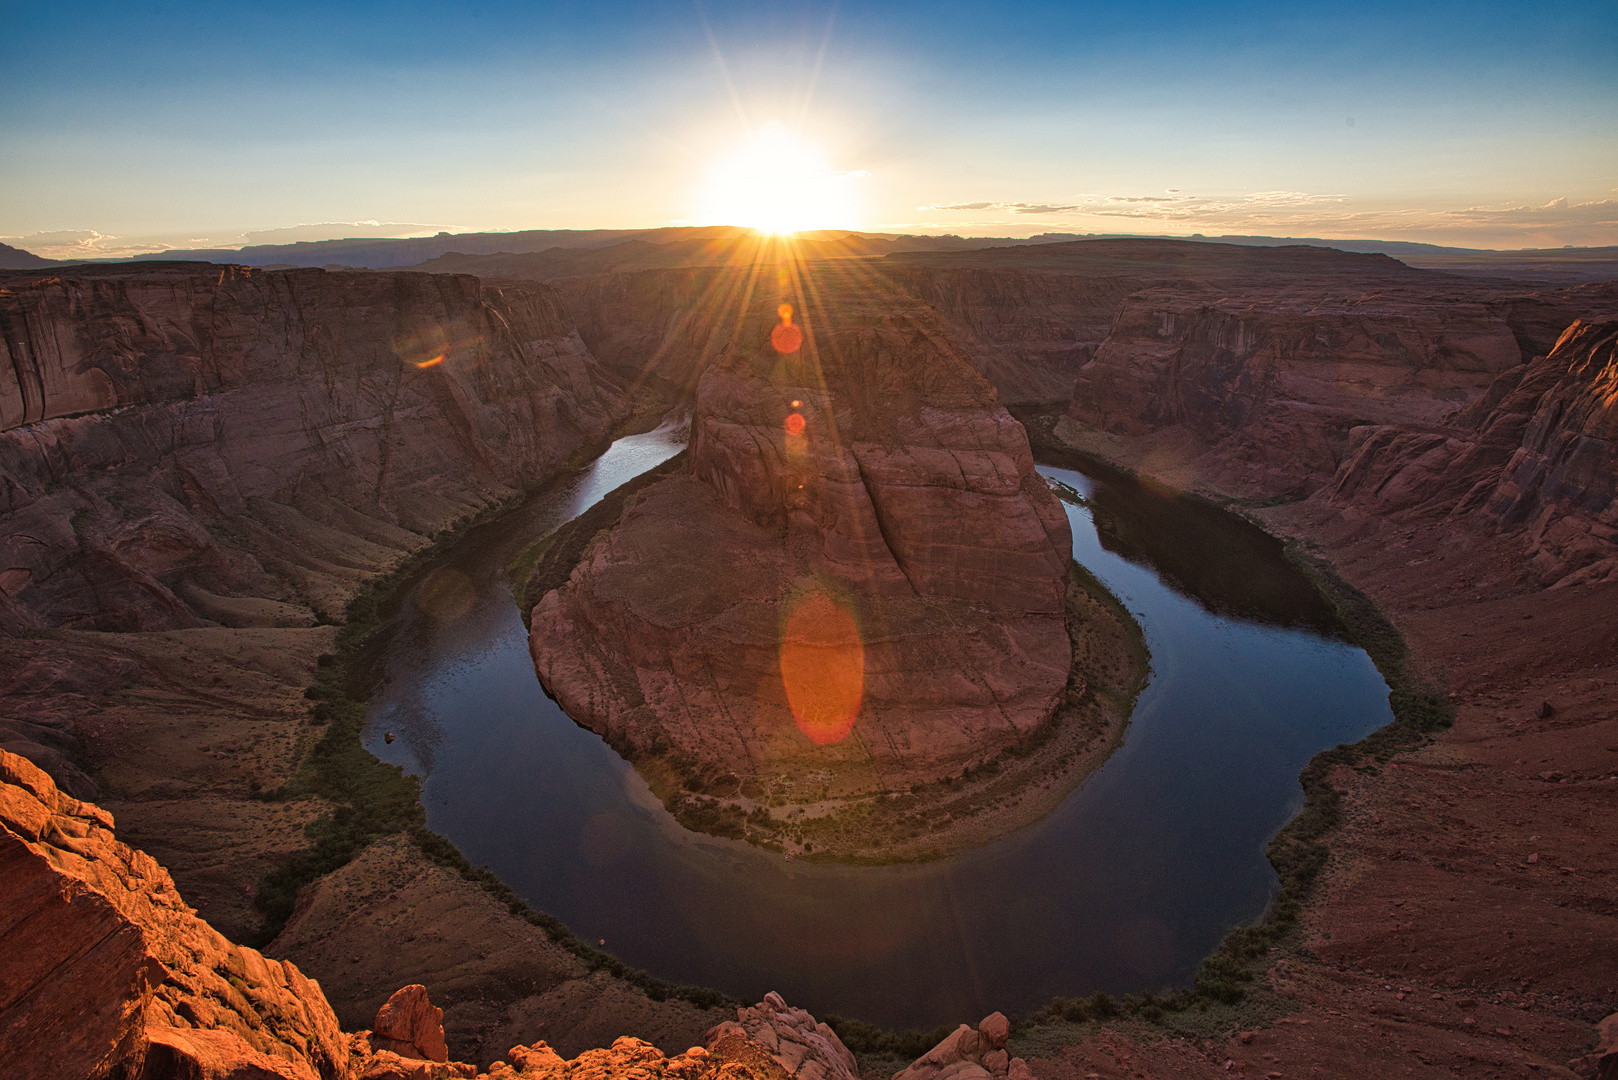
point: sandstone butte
(863, 499)
(1462, 924)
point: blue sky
(158, 123)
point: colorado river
(1125, 887)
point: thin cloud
(1301, 213)
(77, 244)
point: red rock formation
(971, 1054)
(184, 444)
(410, 1025)
(1028, 333)
(904, 496)
(801, 1047)
(1537, 453)
(104, 966)
(1267, 384)
(1602, 1062)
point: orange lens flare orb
(786, 338)
(822, 667)
(795, 424)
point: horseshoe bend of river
(1124, 887)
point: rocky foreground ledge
(107, 974)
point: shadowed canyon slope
(240, 447)
(1537, 453)
(863, 500)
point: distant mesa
(17, 259)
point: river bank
(1459, 923)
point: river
(1124, 887)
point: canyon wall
(1537, 453)
(184, 446)
(862, 496)
(1027, 333)
(1264, 387)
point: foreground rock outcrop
(107, 971)
(969, 1053)
(857, 585)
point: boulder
(1602, 1062)
(410, 1025)
(795, 1042)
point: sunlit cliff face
(779, 183)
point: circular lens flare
(786, 338)
(822, 666)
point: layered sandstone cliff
(184, 446)
(195, 447)
(857, 585)
(1261, 389)
(1536, 455)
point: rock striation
(862, 508)
(187, 445)
(1262, 387)
(1537, 454)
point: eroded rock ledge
(861, 509)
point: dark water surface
(1125, 887)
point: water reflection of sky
(1124, 887)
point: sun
(777, 182)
